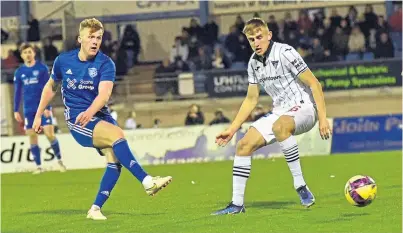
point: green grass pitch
(57, 202)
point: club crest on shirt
(92, 72)
(35, 72)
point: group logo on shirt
(82, 84)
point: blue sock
(108, 181)
(126, 158)
(36, 152)
(56, 148)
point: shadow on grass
(83, 212)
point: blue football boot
(306, 197)
(230, 209)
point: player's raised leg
(252, 141)
(283, 129)
(107, 135)
(108, 182)
(35, 150)
(50, 134)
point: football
(360, 190)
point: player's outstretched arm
(309, 79)
(247, 107)
(104, 93)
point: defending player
(30, 78)
(298, 103)
(86, 76)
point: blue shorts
(84, 136)
(30, 117)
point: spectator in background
(239, 23)
(352, 16)
(317, 50)
(33, 30)
(339, 42)
(371, 19)
(395, 20)
(356, 41)
(130, 121)
(202, 61)
(273, 26)
(244, 51)
(194, 116)
(4, 36)
(179, 49)
(211, 32)
(11, 62)
(107, 47)
(220, 61)
(157, 123)
(119, 56)
(232, 41)
(17, 53)
(162, 87)
(194, 45)
(304, 22)
(345, 27)
(38, 53)
(195, 30)
(384, 48)
(335, 18)
(317, 23)
(131, 44)
(371, 41)
(289, 25)
(50, 50)
(292, 39)
(382, 25)
(329, 57)
(219, 118)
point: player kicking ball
(298, 103)
(86, 76)
(30, 79)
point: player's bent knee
(244, 147)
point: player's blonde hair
(253, 25)
(93, 24)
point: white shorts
(305, 117)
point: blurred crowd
(316, 36)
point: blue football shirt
(29, 81)
(80, 80)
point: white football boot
(37, 171)
(156, 184)
(95, 213)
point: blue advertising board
(369, 133)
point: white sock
(95, 207)
(240, 175)
(147, 182)
(290, 150)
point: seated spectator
(179, 49)
(220, 61)
(180, 65)
(345, 27)
(335, 18)
(329, 57)
(119, 56)
(107, 47)
(339, 42)
(50, 50)
(356, 41)
(384, 47)
(157, 123)
(244, 51)
(202, 61)
(219, 118)
(195, 30)
(194, 116)
(193, 45)
(163, 87)
(317, 50)
(304, 22)
(289, 25)
(371, 40)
